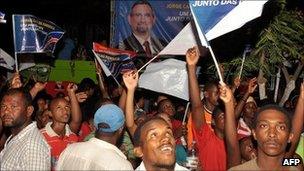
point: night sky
(89, 20)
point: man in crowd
(211, 146)
(100, 152)
(154, 143)
(63, 128)
(141, 19)
(272, 131)
(26, 148)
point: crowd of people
(94, 127)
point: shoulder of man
(249, 165)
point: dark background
(89, 20)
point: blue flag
(35, 35)
(209, 12)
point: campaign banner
(167, 20)
(35, 35)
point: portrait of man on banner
(146, 27)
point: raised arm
(252, 85)
(130, 79)
(76, 115)
(232, 143)
(37, 88)
(297, 122)
(101, 82)
(192, 57)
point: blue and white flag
(213, 18)
(2, 15)
(35, 35)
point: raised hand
(71, 88)
(252, 85)
(16, 81)
(225, 94)
(81, 97)
(192, 56)
(39, 86)
(236, 82)
(130, 79)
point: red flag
(112, 51)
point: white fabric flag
(6, 60)
(169, 76)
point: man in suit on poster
(141, 20)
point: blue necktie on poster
(35, 35)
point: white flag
(6, 60)
(169, 76)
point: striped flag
(114, 61)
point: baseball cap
(251, 100)
(111, 115)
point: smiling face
(157, 147)
(272, 132)
(60, 110)
(141, 19)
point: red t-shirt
(176, 124)
(211, 149)
(57, 143)
(85, 130)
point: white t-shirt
(94, 154)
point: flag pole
(243, 60)
(14, 37)
(185, 114)
(147, 63)
(202, 35)
(216, 65)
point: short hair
(272, 107)
(86, 84)
(160, 103)
(210, 84)
(55, 100)
(141, 2)
(218, 109)
(27, 98)
(138, 131)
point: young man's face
(272, 132)
(219, 121)
(212, 95)
(60, 110)
(158, 144)
(248, 151)
(14, 112)
(42, 105)
(167, 107)
(249, 110)
(141, 19)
